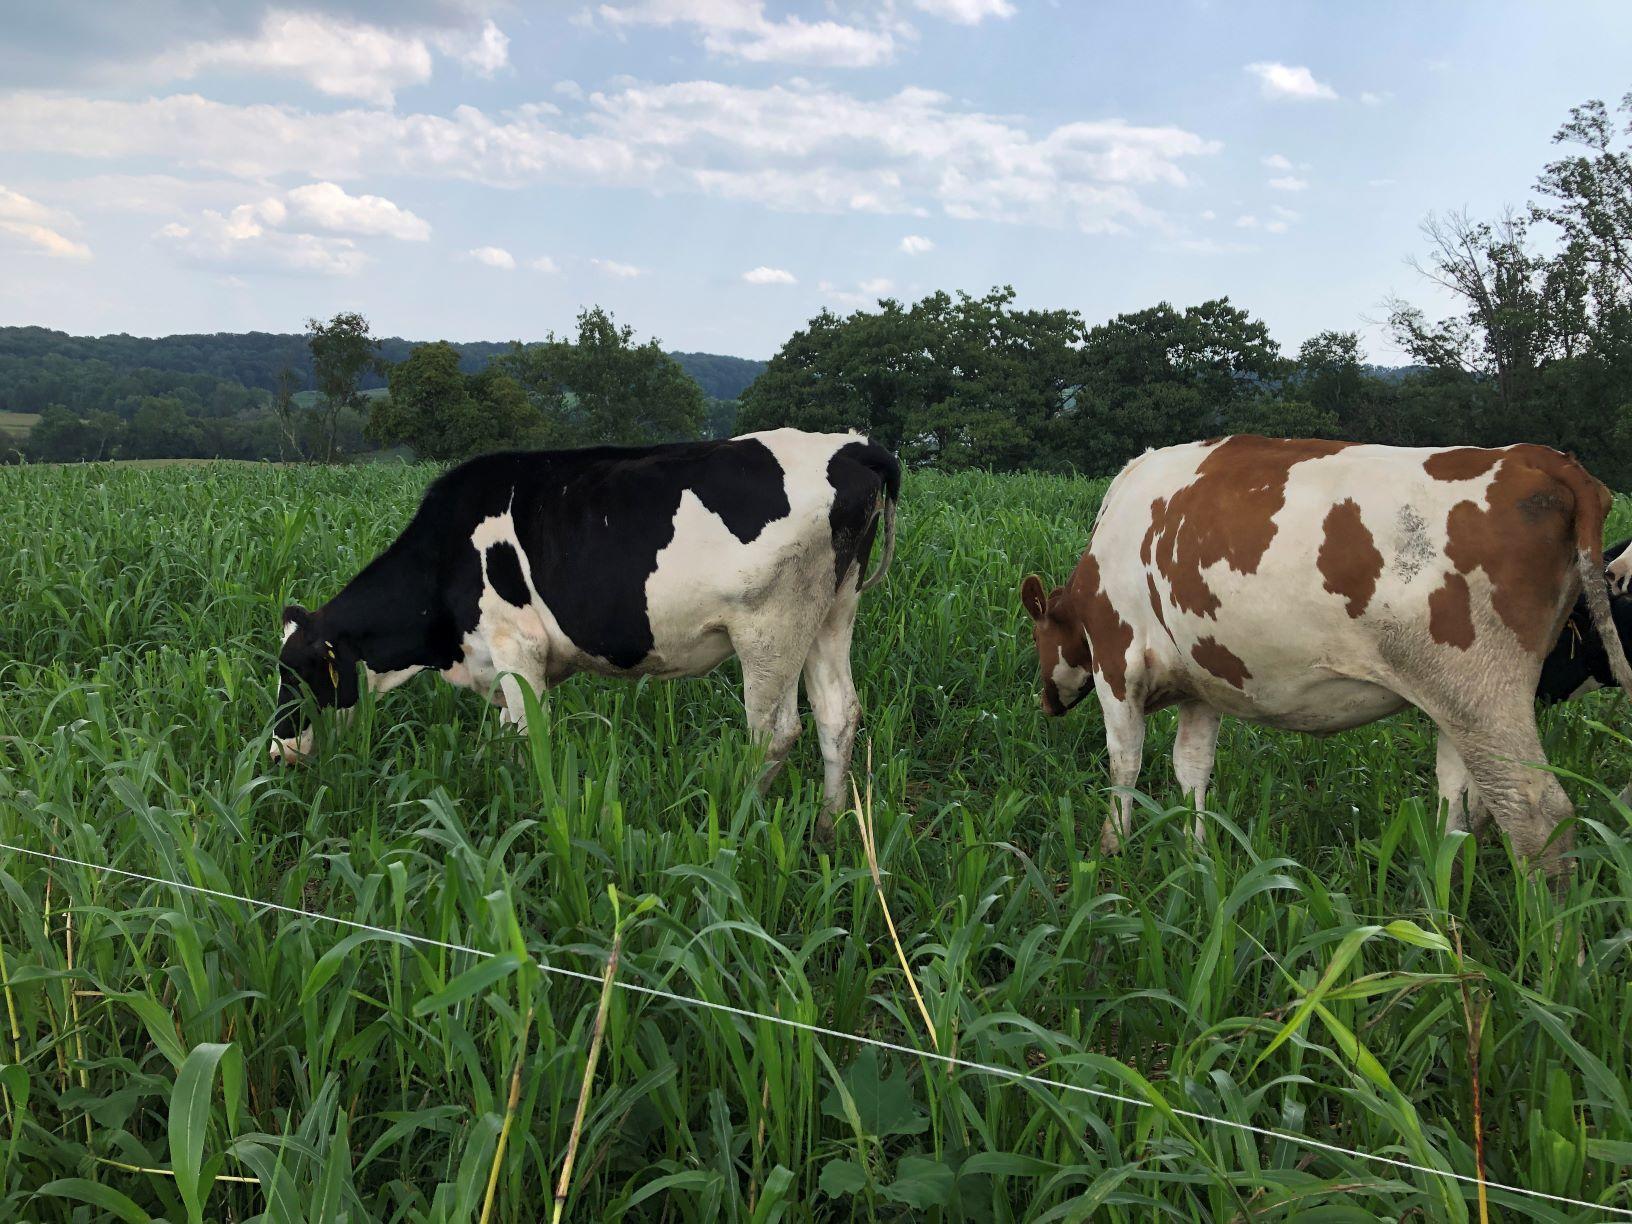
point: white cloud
(544, 264)
(916, 244)
(865, 294)
(483, 53)
(1279, 81)
(39, 226)
(249, 238)
(796, 147)
(1380, 182)
(327, 206)
(966, 12)
(1289, 182)
(1279, 223)
(1375, 99)
(494, 257)
(739, 29)
(1277, 161)
(1208, 214)
(763, 275)
(336, 56)
(612, 267)
(569, 89)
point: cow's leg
(771, 694)
(1125, 741)
(517, 657)
(832, 694)
(1194, 748)
(1458, 792)
(1502, 753)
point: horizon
(715, 172)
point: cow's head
(309, 661)
(1062, 646)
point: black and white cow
(1579, 664)
(644, 561)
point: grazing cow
(644, 561)
(1579, 663)
(1316, 586)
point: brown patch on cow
(1227, 513)
(1108, 634)
(1524, 537)
(1463, 463)
(1348, 559)
(1158, 510)
(1450, 613)
(1155, 601)
(1221, 661)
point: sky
(716, 172)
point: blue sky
(716, 171)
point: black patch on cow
(591, 523)
(1579, 654)
(504, 575)
(858, 472)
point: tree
(1515, 305)
(1588, 196)
(343, 351)
(949, 381)
(285, 412)
(162, 429)
(445, 414)
(1160, 376)
(603, 388)
(62, 436)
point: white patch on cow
(506, 640)
(289, 628)
(384, 682)
(712, 594)
(1619, 572)
(1068, 680)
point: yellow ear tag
(334, 672)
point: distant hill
(37, 364)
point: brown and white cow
(1318, 585)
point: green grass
(352, 1076)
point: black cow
(642, 561)
(1578, 663)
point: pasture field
(15, 425)
(168, 1054)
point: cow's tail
(888, 468)
(1592, 502)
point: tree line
(1538, 349)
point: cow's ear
(1031, 597)
(294, 614)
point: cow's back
(1325, 580)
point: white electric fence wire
(818, 1030)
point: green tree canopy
(343, 351)
(954, 381)
(445, 414)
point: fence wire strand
(818, 1030)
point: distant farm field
(15, 425)
(157, 1044)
